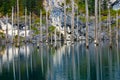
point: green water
(60, 62)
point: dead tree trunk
(12, 22)
(65, 21)
(96, 21)
(72, 37)
(18, 39)
(87, 41)
(41, 26)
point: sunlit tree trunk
(47, 26)
(25, 23)
(60, 27)
(87, 13)
(12, 22)
(7, 28)
(51, 37)
(77, 25)
(50, 9)
(55, 36)
(100, 20)
(30, 24)
(96, 21)
(110, 34)
(18, 21)
(65, 21)
(41, 25)
(117, 25)
(72, 37)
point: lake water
(60, 62)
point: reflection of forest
(20, 63)
(66, 62)
(74, 62)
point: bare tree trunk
(25, 24)
(41, 26)
(18, 21)
(6, 28)
(65, 21)
(30, 24)
(60, 27)
(100, 19)
(46, 26)
(55, 36)
(12, 22)
(110, 35)
(72, 37)
(117, 25)
(96, 21)
(87, 15)
(51, 38)
(77, 25)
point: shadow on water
(60, 62)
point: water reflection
(59, 62)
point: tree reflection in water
(63, 62)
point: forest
(35, 6)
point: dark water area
(60, 62)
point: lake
(60, 62)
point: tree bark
(41, 25)
(100, 20)
(96, 21)
(65, 21)
(117, 25)
(12, 22)
(18, 21)
(72, 37)
(25, 24)
(46, 26)
(87, 15)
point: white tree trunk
(46, 26)
(7, 28)
(110, 34)
(12, 22)
(25, 24)
(18, 21)
(100, 19)
(87, 15)
(117, 25)
(55, 36)
(72, 37)
(65, 21)
(41, 26)
(77, 25)
(30, 24)
(96, 21)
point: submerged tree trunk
(96, 21)
(87, 15)
(65, 21)
(72, 37)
